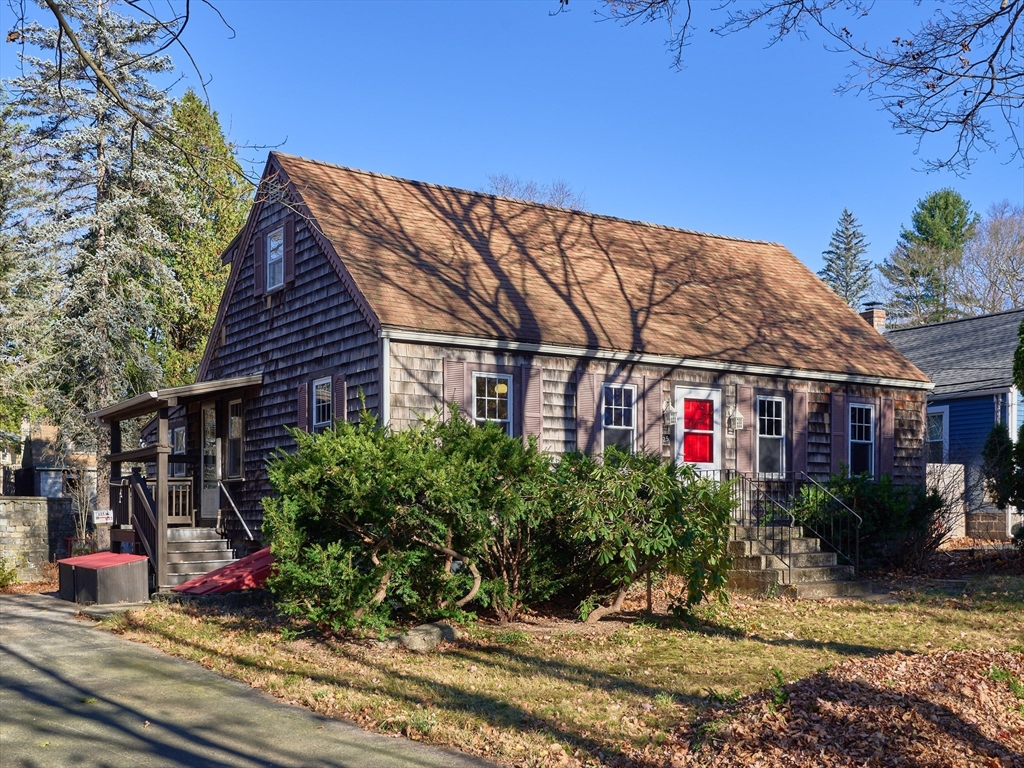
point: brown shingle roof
(433, 258)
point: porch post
(163, 449)
(115, 477)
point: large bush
(634, 515)
(370, 526)
(902, 524)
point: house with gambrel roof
(580, 330)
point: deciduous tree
(557, 193)
(990, 277)
(959, 74)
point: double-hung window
(321, 404)
(937, 440)
(619, 416)
(178, 449)
(862, 439)
(275, 259)
(492, 400)
(234, 468)
(771, 435)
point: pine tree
(215, 186)
(846, 271)
(919, 272)
(105, 179)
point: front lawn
(552, 692)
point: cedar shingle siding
(308, 326)
(370, 258)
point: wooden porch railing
(180, 507)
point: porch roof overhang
(150, 402)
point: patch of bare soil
(951, 709)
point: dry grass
(543, 693)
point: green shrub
(8, 573)
(1003, 466)
(370, 525)
(903, 525)
(630, 515)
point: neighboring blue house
(971, 363)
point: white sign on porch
(102, 517)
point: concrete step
(197, 567)
(755, 532)
(741, 548)
(860, 588)
(192, 534)
(772, 562)
(199, 555)
(220, 545)
(822, 573)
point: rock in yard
(426, 637)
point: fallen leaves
(955, 708)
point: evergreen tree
(215, 186)
(920, 271)
(105, 180)
(846, 271)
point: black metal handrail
(831, 521)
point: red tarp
(248, 573)
(100, 560)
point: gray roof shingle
(965, 355)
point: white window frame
(612, 386)
(699, 393)
(241, 442)
(781, 438)
(872, 423)
(177, 469)
(274, 257)
(507, 378)
(319, 425)
(944, 411)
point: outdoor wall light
(670, 414)
(735, 420)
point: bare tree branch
(960, 71)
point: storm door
(210, 503)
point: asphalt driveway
(72, 694)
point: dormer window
(275, 259)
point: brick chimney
(874, 315)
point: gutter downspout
(385, 380)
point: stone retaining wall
(33, 532)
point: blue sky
(746, 141)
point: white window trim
(944, 410)
(321, 425)
(699, 393)
(757, 435)
(270, 286)
(507, 378)
(604, 389)
(849, 436)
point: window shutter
(652, 414)
(259, 270)
(887, 434)
(533, 403)
(339, 398)
(586, 411)
(840, 417)
(745, 436)
(303, 408)
(800, 430)
(455, 385)
(289, 249)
